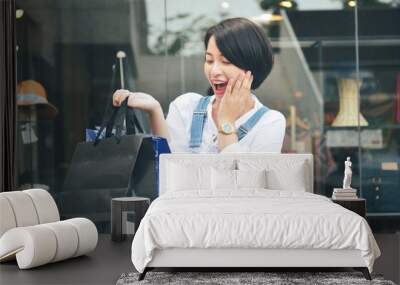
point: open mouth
(220, 87)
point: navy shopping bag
(146, 171)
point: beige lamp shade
(348, 104)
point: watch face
(226, 128)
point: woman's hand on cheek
(235, 101)
(247, 100)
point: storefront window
(328, 63)
(379, 47)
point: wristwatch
(227, 128)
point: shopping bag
(145, 177)
(115, 166)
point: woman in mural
(238, 59)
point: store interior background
(70, 47)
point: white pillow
(293, 180)
(229, 179)
(183, 177)
(223, 179)
(251, 178)
(281, 174)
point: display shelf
(374, 127)
(383, 214)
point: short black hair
(245, 45)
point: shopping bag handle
(119, 119)
(116, 120)
(108, 124)
(133, 125)
(132, 122)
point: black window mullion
(8, 109)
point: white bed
(247, 210)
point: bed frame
(241, 259)
(256, 258)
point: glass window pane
(379, 46)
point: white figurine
(347, 174)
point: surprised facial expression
(218, 69)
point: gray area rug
(273, 278)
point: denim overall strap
(198, 120)
(250, 123)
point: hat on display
(32, 93)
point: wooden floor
(103, 266)
(110, 259)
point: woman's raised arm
(147, 103)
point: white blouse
(266, 136)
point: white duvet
(250, 219)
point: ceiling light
(225, 5)
(266, 18)
(352, 3)
(276, 18)
(286, 4)
(19, 13)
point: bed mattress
(250, 219)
